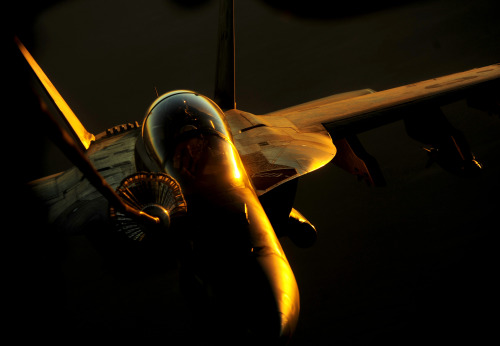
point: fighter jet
(214, 185)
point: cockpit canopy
(185, 134)
(174, 115)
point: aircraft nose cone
(276, 307)
(256, 305)
(272, 329)
(265, 328)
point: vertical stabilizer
(225, 70)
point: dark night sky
(411, 262)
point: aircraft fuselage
(234, 250)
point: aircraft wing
(79, 132)
(368, 111)
(281, 145)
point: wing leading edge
(371, 110)
(85, 138)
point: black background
(412, 262)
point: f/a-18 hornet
(214, 185)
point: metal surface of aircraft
(214, 185)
